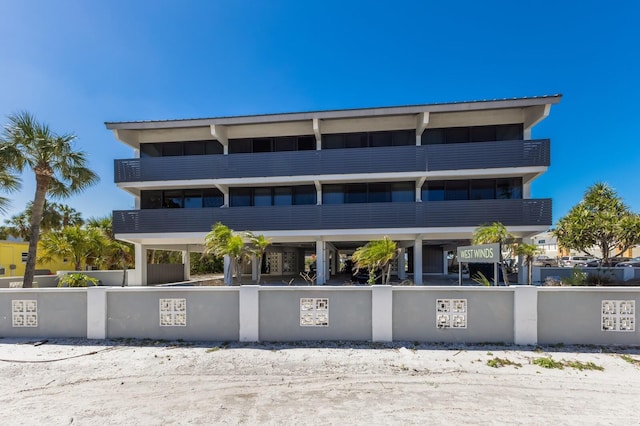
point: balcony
(532, 212)
(476, 155)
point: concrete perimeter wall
(516, 314)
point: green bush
(77, 280)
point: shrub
(77, 280)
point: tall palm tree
(60, 171)
(497, 233)
(18, 226)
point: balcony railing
(337, 216)
(474, 155)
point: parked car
(545, 261)
(633, 263)
(571, 261)
(614, 261)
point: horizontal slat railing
(337, 216)
(480, 155)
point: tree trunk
(42, 185)
(529, 271)
(505, 277)
(124, 268)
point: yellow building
(13, 259)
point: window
(262, 145)
(170, 149)
(483, 189)
(181, 198)
(475, 189)
(282, 196)
(239, 197)
(504, 132)
(379, 193)
(305, 194)
(275, 144)
(332, 194)
(356, 193)
(403, 192)
(262, 197)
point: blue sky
(76, 64)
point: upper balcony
(426, 158)
(462, 213)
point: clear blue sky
(76, 64)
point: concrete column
(402, 274)
(522, 271)
(445, 262)
(186, 261)
(321, 263)
(525, 315)
(254, 267)
(417, 262)
(97, 313)
(381, 313)
(249, 306)
(139, 275)
(228, 271)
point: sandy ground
(75, 381)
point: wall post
(249, 313)
(525, 315)
(96, 313)
(381, 313)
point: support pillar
(402, 266)
(321, 262)
(139, 274)
(186, 261)
(445, 262)
(254, 268)
(228, 271)
(97, 312)
(417, 262)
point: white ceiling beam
(318, 133)
(220, 133)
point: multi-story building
(324, 183)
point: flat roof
(341, 113)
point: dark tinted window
(262, 145)
(213, 147)
(194, 148)
(433, 137)
(433, 191)
(456, 190)
(171, 149)
(212, 198)
(306, 143)
(305, 194)
(150, 150)
(483, 189)
(239, 197)
(509, 188)
(172, 199)
(404, 137)
(151, 199)
(456, 135)
(403, 192)
(285, 144)
(509, 132)
(240, 146)
(262, 197)
(193, 198)
(356, 193)
(282, 196)
(379, 193)
(482, 134)
(381, 139)
(332, 194)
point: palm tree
(81, 245)
(222, 241)
(8, 182)
(259, 247)
(59, 170)
(497, 233)
(528, 252)
(376, 255)
(117, 252)
(18, 226)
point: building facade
(323, 183)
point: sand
(131, 382)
